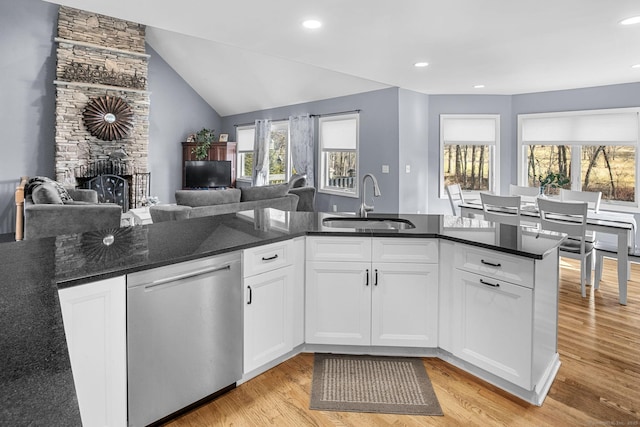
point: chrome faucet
(364, 208)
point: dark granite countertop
(36, 383)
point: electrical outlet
(385, 168)
(334, 208)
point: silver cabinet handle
(495, 285)
(186, 276)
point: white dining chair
(593, 202)
(608, 250)
(521, 190)
(593, 198)
(454, 191)
(502, 209)
(569, 218)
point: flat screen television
(207, 173)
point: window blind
(339, 135)
(468, 130)
(245, 137)
(580, 129)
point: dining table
(622, 225)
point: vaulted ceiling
(247, 55)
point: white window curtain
(261, 152)
(302, 150)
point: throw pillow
(264, 192)
(46, 194)
(39, 180)
(297, 180)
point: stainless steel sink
(369, 223)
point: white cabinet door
(268, 316)
(404, 305)
(94, 318)
(492, 326)
(338, 303)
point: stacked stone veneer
(110, 44)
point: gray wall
(176, 110)
(27, 118)
(378, 141)
(467, 104)
(27, 113)
(413, 112)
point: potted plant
(204, 138)
(552, 180)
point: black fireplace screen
(115, 181)
(111, 189)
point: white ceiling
(247, 55)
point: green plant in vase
(552, 180)
(204, 138)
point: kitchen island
(37, 383)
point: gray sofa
(198, 203)
(46, 214)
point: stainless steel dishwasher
(184, 335)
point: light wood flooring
(598, 383)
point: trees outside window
(595, 149)
(469, 146)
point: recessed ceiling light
(421, 64)
(478, 86)
(312, 24)
(631, 21)
(635, 66)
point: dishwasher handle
(188, 275)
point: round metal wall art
(108, 118)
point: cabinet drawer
(346, 249)
(395, 249)
(495, 265)
(266, 258)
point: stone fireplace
(99, 56)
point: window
(596, 150)
(245, 136)
(469, 146)
(339, 154)
(279, 159)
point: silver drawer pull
(490, 263)
(271, 258)
(495, 285)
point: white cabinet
(94, 318)
(338, 303)
(492, 323)
(372, 291)
(504, 314)
(404, 305)
(269, 276)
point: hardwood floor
(598, 383)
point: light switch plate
(407, 168)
